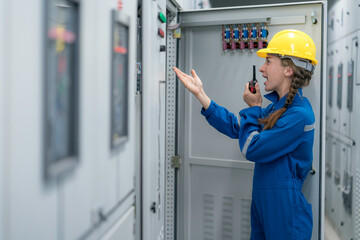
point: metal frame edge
(170, 137)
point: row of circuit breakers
(244, 36)
(347, 177)
(350, 83)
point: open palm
(192, 83)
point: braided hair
(301, 78)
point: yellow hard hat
(293, 43)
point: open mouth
(266, 79)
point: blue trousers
(279, 211)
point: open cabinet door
(215, 180)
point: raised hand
(194, 85)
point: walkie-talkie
(253, 82)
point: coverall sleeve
(222, 120)
(269, 145)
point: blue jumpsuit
(282, 157)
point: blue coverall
(282, 157)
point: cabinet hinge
(138, 79)
(175, 161)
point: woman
(278, 138)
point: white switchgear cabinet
(214, 180)
(342, 182)
(93, 200)
(153, 32)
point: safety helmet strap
(300, 62)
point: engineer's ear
(289, 71)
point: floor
(329, 231)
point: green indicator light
(162, 17)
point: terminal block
(244, 36)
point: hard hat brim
(263, 52)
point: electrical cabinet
(2, 115)
(153, 45)
(56, 121)
(342, 186)
(214, 179)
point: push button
(161, 33)
(162, 17)
(162, 48)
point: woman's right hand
(194, 85)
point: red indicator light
(120, 5)
(161, 33)
(120, 50)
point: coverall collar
(274, 97)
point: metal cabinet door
(215, 180)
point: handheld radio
(253, 82)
